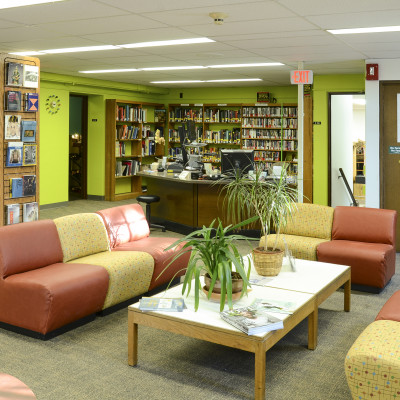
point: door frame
(330, 94)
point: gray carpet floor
(90, 362)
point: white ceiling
(286, 31)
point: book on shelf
(161, 304)
(127, 167)
(29, 154)
(30, 212)
(14, 74)
(252, 320)
(13, 100)
(30, 76)
(12, 127)
(29, 185)
(28, 131)
(14, 154)
(31, 102)
(160, 116)
(16, 187)
(13, 214)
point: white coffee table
(206, 324)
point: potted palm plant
(272, 201)
(214, 254)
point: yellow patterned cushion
(312, 220)
(81, 235)
(301, 247)
(130, 273)
(372, 365)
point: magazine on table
(161, 304)
(252, 319)
(275, 306)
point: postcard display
(19, 122)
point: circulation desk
(185, 205)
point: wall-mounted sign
(394, 149)
(372, 72)
(301, 77)
(263, 97)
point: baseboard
(48, 335)
(96, 198)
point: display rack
(21, 76)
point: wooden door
(389, 144)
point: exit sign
(301, 77)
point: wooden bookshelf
(130, 128)
(8, 173)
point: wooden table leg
(347, 295)
(313, 329)
(132, 340)
(259, 373)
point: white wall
(389, 70)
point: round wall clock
(53, 104)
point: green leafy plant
(271, 200)
(213, 252)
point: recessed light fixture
(22, 3)
(176, 81)
(172, 68)
(245, 65)
(27, 53)
(105, 71)
(377, 29)
(235, 80)
(166, 43)
(78, 49)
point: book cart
(19, 125)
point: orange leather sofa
(365, 239)
(128, 230)
(38, 292)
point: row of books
(287, 112)
(127, 167)
(221, 115)
(222, 136)
(267, 156)
(30, 213)
(289, 145)
(182, 114)
(148, 147)
(253, 133)
(14, 100)
(127, 132)
(261, 144)
(256, 122)
(16, 128)
(131, 113)
(21, 154)
(23, 187)
(25, 75)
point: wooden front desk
(185, 205)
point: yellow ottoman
(372, 365)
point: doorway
(389, 149)
(78, 115)
(346, 149)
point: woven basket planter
(267, 263)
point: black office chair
(148, 199)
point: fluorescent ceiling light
(235, 80)
(244, 65)
(104, 71)
(27, 53)
(22, 3)
(172, 68)
(79, 49)
(176, 81)
(166, 43)
(364, 30)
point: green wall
(54, 128)
(323, 85)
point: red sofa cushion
(47, 298)
(155, 247)
(125, 224)
(362, 224)
(27, 246)
(391, 309)
(372, 264)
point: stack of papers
(161, 304)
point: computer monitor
(236, 161)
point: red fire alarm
(372, 72)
